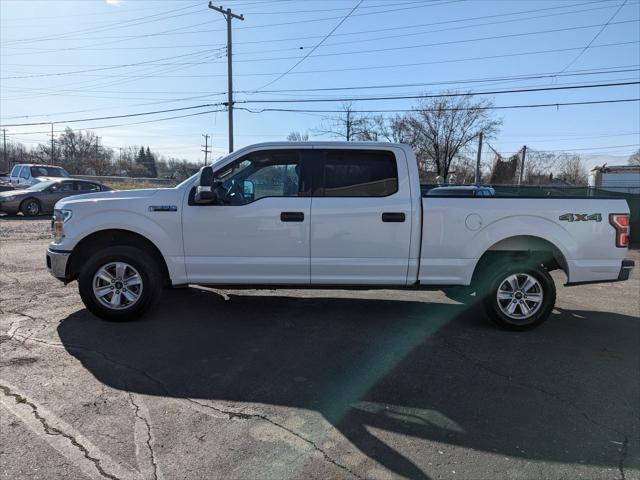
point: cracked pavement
(311, 384)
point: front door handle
(393, 217)
(292, 217)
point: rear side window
(357, 173)
(44, 171)
(87, 187)
(24, 173)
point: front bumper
(57, 263)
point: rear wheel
(120, 283)
(30, 207)
(520, 297)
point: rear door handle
(292, 217)
(397, 217)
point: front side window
(62, 187)
(259, 175)
(358, 173)
(14, 171)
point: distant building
(622, 178)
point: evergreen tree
(140, 158)
(151, 164)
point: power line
(595, 36)
(130, 123)
(125, 65)
(435, 44)
(123, 38)
(494, 107)
(113, 116)
(403, 97)
(403, 28)
(211, 94)
(464, 94)
(112, 26)
(316, 46)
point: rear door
(360, 217)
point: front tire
(520, 297)
(30, 207)
(120, 283)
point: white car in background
(27, 174)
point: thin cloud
(115, 3)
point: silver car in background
(41, 197)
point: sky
(82, 59)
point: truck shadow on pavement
(420, 370)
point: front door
(258, 232)
(56, 192)
(361, 218)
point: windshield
(45, 171)
(39, 187)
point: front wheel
(120, 283)
(520, 298)
(30, 207)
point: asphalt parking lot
(311, 384)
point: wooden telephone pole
(228, 15)
(206, 147)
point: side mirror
(204, 191)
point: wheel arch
(109, 238)
(26, 200)
(525, 248)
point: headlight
(7, 199)
(60, 217)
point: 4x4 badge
(581, 217)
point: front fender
(164, 231)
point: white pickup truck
(332, 215)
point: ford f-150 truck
(332, 215)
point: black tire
(30, 207)
(497, 310)
(139, 262)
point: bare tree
(298, 137)
(348, 125)
(571, 168)
(439, 129)
(634, 159)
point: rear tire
(30, 207)
(520, 297)
(120, 283)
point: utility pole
(228, 15)
(52, 147)
(206, 147)
(4, 148)
(524, 154)
(97, 154)
(478, 159)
